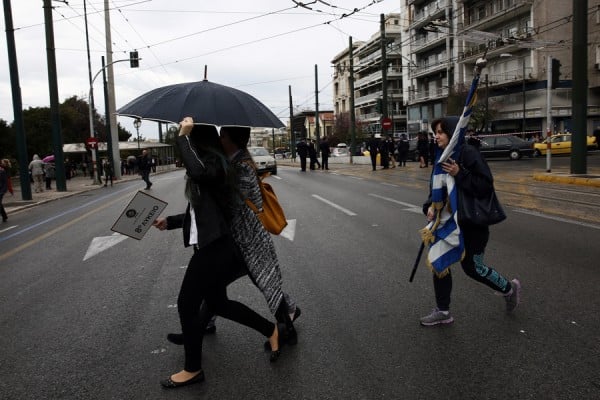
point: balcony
(432, 40)
(427, 95)
(429, 69)
(493, 17)
(393, 73)
(424, 15)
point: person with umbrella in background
(145, 165)
(50, 174)
(216, 261)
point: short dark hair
(239, 135)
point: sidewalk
(75, 185)
(362, 166)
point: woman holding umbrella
(215, 261)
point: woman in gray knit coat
(253, 240)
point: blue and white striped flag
(442, 234)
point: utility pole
(57, 142)
(351, 89)
(549, 85)
(579, 102)
(95, 171)
(292, 133)
(17, 103)
(317, 109)
(384, 98)
(111, 116)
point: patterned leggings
(476, 239)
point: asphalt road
(95, 328)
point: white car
(264, 161)
(340, 150)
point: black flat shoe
(170, 384)
(297, 314)
(175, 338)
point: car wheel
(274, 172)
(537, 153)
(514, 155)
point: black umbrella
(206, 102)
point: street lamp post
(137, 123)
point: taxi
(561, 144)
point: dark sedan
(508, 146)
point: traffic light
(555, 73)
(134, 60)
(379, 105)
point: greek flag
(442, 234)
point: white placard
(139, 215)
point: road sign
(92, 142)
(386, 123)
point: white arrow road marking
(290, 230)
(409, 207)
(342, 209)
(99, 244)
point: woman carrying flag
(451, 242)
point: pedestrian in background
(5, 185)
(471, 174)
(373, 147)
(403, 148)
(312, 154)
(325, 151)
(36, 167)
(145, 165)
(50, 171)
(423, 149)
(108, 172)
(302, 150)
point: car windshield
(258, 151)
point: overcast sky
(261, 47)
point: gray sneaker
(514, 298)
(437, 317)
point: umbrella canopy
(206, 102)
(48, 159)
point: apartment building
(517, 38)
(369, 80)
(433, 46)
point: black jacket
(207, 174)
(474, 176)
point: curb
(582, 180)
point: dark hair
(205, 137)
(448, 124)
(239, 135)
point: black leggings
(209, 271)
(475, 239)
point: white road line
(8, 228)
(560, 219)
(342, 209)
(409, 207)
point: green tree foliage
(37, 124)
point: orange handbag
(272, 216)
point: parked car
(340, 150)
(264, 161)
(561, 144)
(509, 146)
